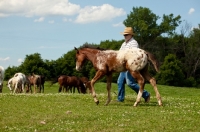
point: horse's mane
(92, 47)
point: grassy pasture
(66, 112)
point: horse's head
(80, 59)
(9, 83)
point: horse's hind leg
(152, 81)
(141, 83)
(109, 79)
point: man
(129, 43)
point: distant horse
(84, 80)
(1, 78)
(67, 82)
(108, 61)
(17, 83)
(14, 85)
(35, 80)
(75, 82)
(25, 80)
(42, 83)
(86, 83)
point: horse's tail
(153, 60)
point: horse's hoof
(159, 103)
(135, 104)
(97, 102)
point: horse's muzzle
(78, 68)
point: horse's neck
(91, 54)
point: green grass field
(67, 112)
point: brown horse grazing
(62, 80)
(42, 83)
(86, 83)
(108, 61)
(75, 82)
(67, 82)
(35, 80)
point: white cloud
(3, 15)
(41, 19)
(191, 10)
(67, 20)
(99, 13)
(20, 60)
(43, 8)
(5, 59)
(118, 24)
(51, 22)
(30, 8)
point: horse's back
(135, 58)
(62, 79)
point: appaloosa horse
(108, 61)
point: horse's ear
(76, 49)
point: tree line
(178, 53)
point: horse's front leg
(97, 76)
(15, 88)
(109, 80)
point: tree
(171, 72)
(192, 52)
(146, 27)
(33, 64)
(10, 72)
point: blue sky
(54, 27)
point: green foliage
(32, 63)
(171, 72)
(145, 25)
(114, 45)
(10, 71)
(190, 82)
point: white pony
(17, 81)
(1, 78)
(15, 84)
